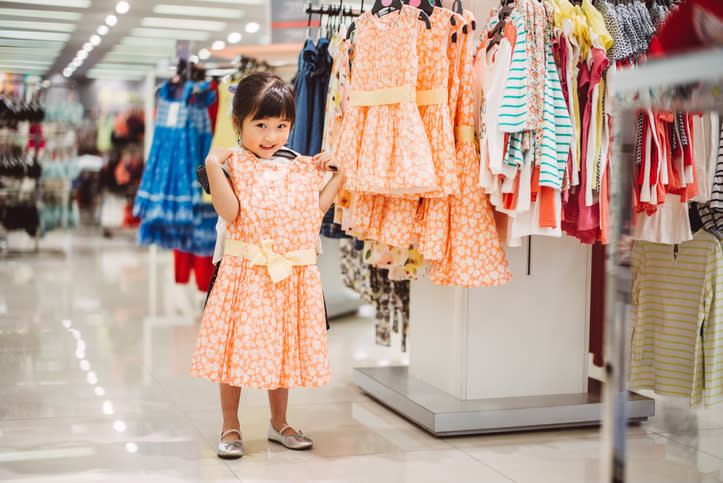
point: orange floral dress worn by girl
(264, 325)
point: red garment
(596, 341)
(213, 108)
(185, 263)
(692, 25)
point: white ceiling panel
(53, 3)
(31, 44)
(31, 25)
(30, 35)
(37, 13)
(121, 67)
(146, 42)
(56, 30)
(170, 34)
(211, 12)
(175, 23)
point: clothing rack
(502, 359)
(332, 10)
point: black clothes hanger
(495, 35)
(394, 5)
(423, 5)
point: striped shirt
(557, 128)
(513, 114)
(677, 316)
(716, 197)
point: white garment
(705, 152)
(670, 224)
(495, 67)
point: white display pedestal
(340, 300)
(501, 358)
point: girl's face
(264, 137)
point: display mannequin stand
(497, 359)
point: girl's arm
(325, 162)
(224, 199)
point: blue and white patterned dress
(168, 201)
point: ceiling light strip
(54, 3)
(175, 23)
(210, 12)
(35, 35)
(36, 14)
(45, 26)
(170, 34)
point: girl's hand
(218, 155)
(325, 162)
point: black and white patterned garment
(389, 298)
(716, 197)
(639, 138)
(618, 50)
(711, 219)
(648, 27)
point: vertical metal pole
(615, 394)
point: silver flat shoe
(232, 449)
(291, 441)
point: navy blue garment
(303, 92)
(321, 75)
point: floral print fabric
(255, 333)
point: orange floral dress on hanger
(382, 142)
(257, 332)
(474, 255)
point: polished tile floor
(95, 343)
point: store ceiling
(45, 37)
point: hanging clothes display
(168, 201)
(408, 183)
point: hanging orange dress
(264, 325)
(382, 143)
(394, 220)
(474, 256)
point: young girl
(264, 323)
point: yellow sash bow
(279, 266)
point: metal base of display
(444, 415)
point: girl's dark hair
(263, 95)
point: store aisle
(93, 388)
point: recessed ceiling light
(82, 54)
(252, 27)
(122, 7)
(103, 30)
(204, 54)
(212, 12)
(234, 38)
(56, 3)
(77, 62)
(87, 46)
(218, 45)
(175, 23)
(67, 72)
(111, 20)
(95, 39)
